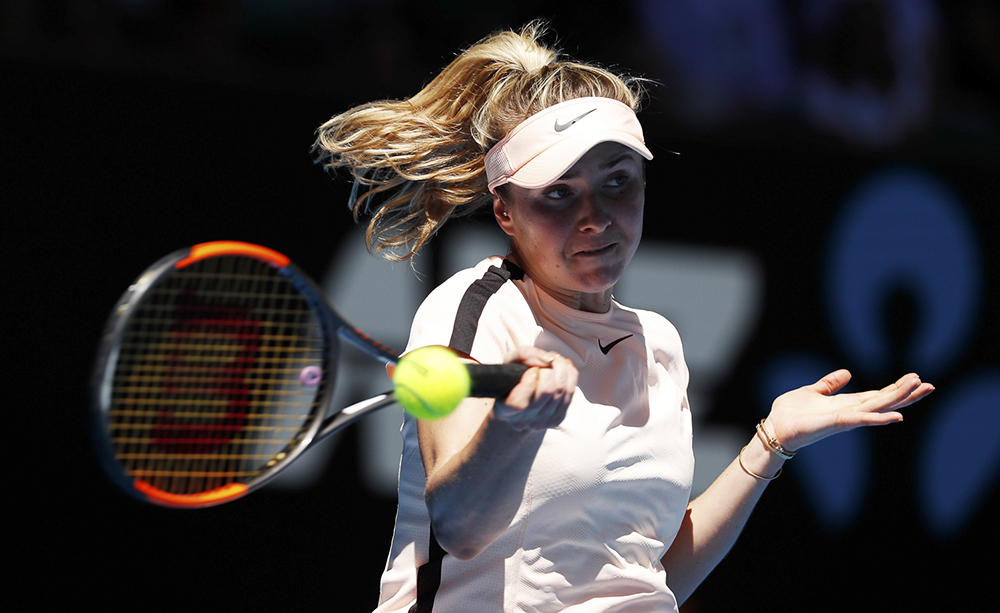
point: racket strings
(207, 389)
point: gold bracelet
(753, 474)
(772, 443)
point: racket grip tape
(494, 380)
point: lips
(596, 250)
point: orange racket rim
(204, 499)
(213, 249)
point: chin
(600, 282)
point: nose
(596, 214)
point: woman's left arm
(799, 418)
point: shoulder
(483, 281)
(664, 341)
(476, 311)
(659, 331)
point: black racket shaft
(488, 381)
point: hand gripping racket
(216, 370)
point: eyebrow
(572, 174)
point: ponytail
(417, 163)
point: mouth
(596, 251)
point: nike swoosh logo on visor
(605, 350)
(562, 126)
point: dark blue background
(131, 129)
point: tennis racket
(216, 371)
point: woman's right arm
(477, 459)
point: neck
(599, 302)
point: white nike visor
(544, 146)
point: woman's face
(575, 236)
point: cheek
(541, 240)
(631, 217)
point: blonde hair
(417, 163)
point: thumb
(833, 382)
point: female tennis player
(573, 493)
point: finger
(573, 377)
(856, 419)
(862, 398)
(524, 392)
(526, 409)
(892, 395)
(562, 370)
(832, 383)
(916, 395)
(554, 388)
(557, 386)
(548, 412)
(924, 389)
(537, 383)
(531, 356)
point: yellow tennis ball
(430, 382)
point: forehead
(602, 157)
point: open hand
(811, 413)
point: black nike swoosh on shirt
(606, 349)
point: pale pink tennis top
(608, 487)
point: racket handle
(494, 380)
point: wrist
(758, 461)
(771, 441)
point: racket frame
(332, 326)
(494, 381)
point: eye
(557, 193)
(617, 180)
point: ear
(500, 212)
